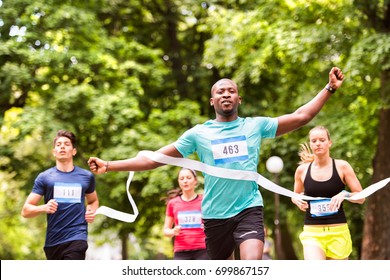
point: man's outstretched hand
(97, 166)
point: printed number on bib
(231, 149)
(67, 192)
(320, 208)
(190, 219)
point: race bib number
(231, 149)
(67, 192)
(319, 208)
(190, 219)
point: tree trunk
(124, 240)
(287, 243)
(174, 50)
(376, 231)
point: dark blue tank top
(328, 188)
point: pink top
(188, 215)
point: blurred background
(127, 76)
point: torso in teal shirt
(232, 145)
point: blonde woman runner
(325, 233)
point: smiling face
(225, 99)
(63, 149)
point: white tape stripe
(222, 173)
(370, 190)
(250, 176)
(118, 215)
(225, 173)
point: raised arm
(307, 112)
(137, 163)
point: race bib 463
(231, 149)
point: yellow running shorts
(335, 241)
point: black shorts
(200, 254)
(72, 250)
(224, 235)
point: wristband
(106, 167)
(330, 89)
(347, 194)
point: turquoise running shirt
(232, 145)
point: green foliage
(130, 76)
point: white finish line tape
(118, 215)
(370, 189)
(222, 173)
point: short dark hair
(67, 134)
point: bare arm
(32, 209)
(307, 112)
(351, 180)
(137, 163)
(168, 230)
(348, 176)
(92, 205)
(299, 188)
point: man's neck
(221, 118)
(65, 166)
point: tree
(373, 51)
(130, 76)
